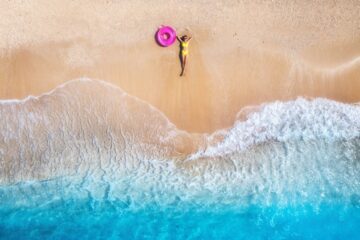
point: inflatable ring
(165, 36)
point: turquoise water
(115, 220)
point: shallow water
(114, 220)
(89, 161)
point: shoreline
(72, 120)
(242, 54)
(207, 98)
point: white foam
(89, 130)
(282, 121)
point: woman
(184, 42)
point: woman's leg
(183, 65)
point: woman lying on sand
(184, 42)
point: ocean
(89, 161)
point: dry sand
(242, 53)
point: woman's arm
(179, 39)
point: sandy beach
(242, 53)
(101, 138)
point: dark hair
(184, 37)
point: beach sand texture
(243, 53)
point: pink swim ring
(165, 36)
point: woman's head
(184, 37)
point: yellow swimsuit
(184, 50)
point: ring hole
(166, 36)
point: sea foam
(88, 140)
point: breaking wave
(103, 144)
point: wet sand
(243, 53)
